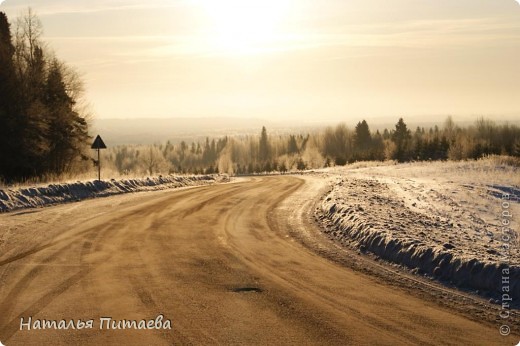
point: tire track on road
(221, 261)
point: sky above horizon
(288, 59)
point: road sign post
(98, 145)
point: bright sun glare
(244, 27)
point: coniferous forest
(337, 145)
(44, 130)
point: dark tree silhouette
(40, 130)
(401, 137)
(362, 141)
(68, 130)
(292, 145)
(378, 147)
(263, 147)
(362, 137)
(9, 89)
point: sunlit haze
(289, 59)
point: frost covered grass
(38, 196)
(443, 219)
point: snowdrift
(30, 197)
(364, 214)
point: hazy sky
(285, 59)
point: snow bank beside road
(446, 229)
(30, 197)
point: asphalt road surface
(219, 262)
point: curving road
(218, 261)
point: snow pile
(30, 197)
(426, 227)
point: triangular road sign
(98, 143)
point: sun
(244, 26)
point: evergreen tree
(9, 124)
(206, 154)
(264, 148)
(362, 141)
(292, 146)
(401, 137)
(40, 130)
(68, 130)
(362, 137)
(378, 147)
(213, 151)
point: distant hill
(159, 130)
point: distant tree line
(42, 128)
(334, 146)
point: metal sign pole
(98, 145)
(99, 165)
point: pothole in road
(247, 289)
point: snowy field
(456, 221)
(30, 197)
